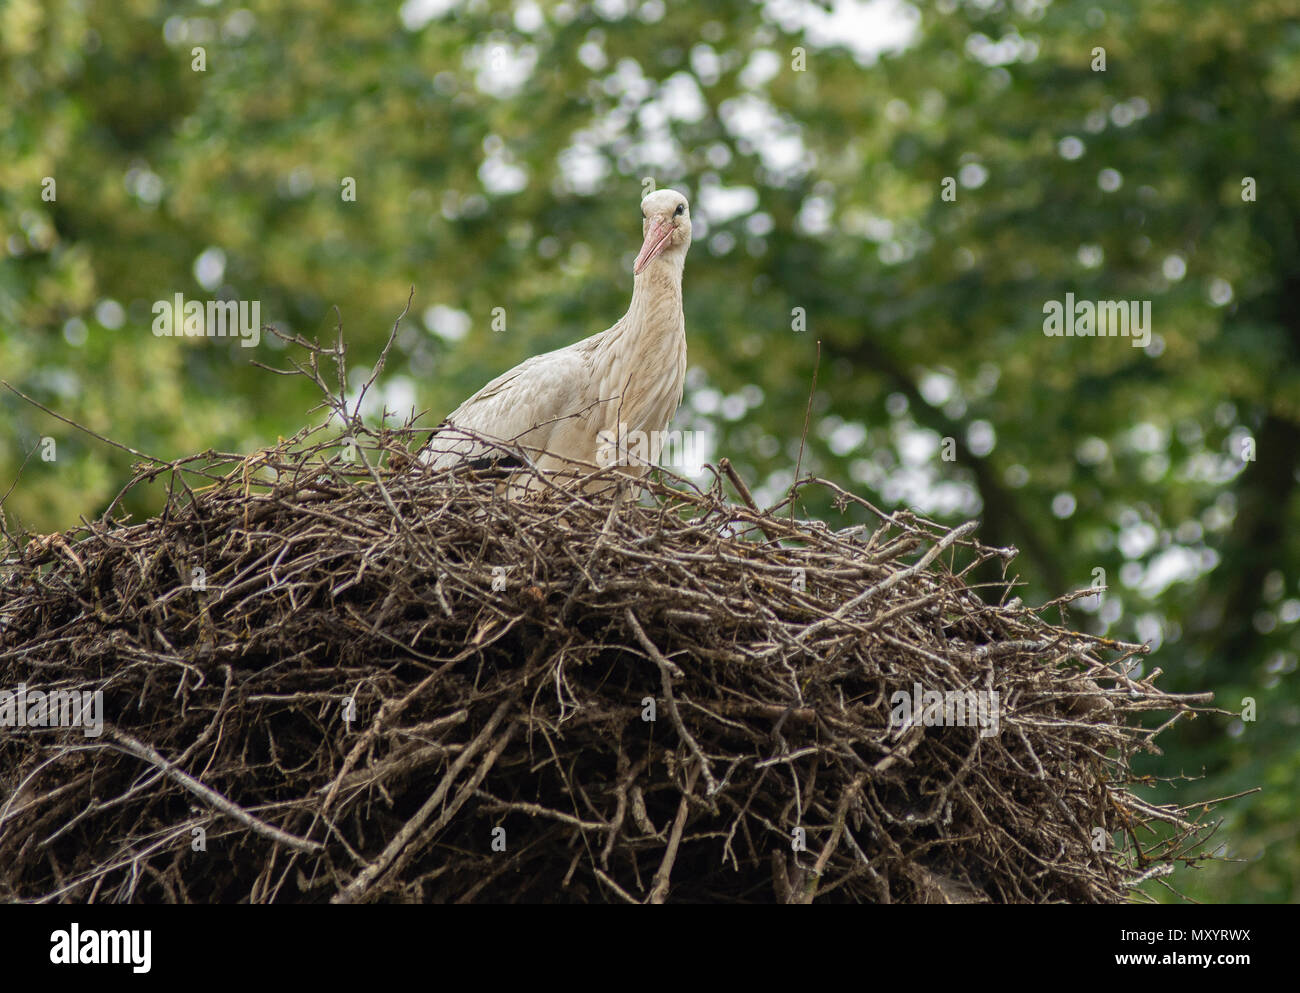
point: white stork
(603, 400)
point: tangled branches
(332, 675)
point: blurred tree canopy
(908, 186)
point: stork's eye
(681, 209)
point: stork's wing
(522, 406)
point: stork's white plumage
(567, 407)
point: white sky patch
(917, 446)
(661, 152)
(628, 79)
(1237, 441)
(1175, 564)
(733, 407)
(584, 168)
(1211, 467)
(776, 140)
(652, 116)
(722, 203)
(761, 69)
(75, 331)
(1009, 48)
(592, 55)
(706, 400)
(1148, 437)
(981, 438)
(1137, 539)
(937, 388)
(612, 10)
(397, 395)
(972, 175)
(238, 26)
(652, 11)
(867, 473)
(1064, 505)
(502, 69)
(705, 64)
(1090, 256)
(1070, 148)
(681, 98)
(1150, 630)
(144, 184)
(528, 17)
(846, 437)
(1154, 467)
(400, 396)
(210, 268)
(447, 323)
(110, 313)
(1092, 451)
(774, 487)
(415, 14)
(500, 175)
(867, 28)
(921, 490)
(815, 215)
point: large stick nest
(355, 680)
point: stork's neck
(657, 296)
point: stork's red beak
(656, 240)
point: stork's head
(666, 225)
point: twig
(211, 796)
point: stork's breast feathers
(648, 387)
(521, 406)
(561, 401)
